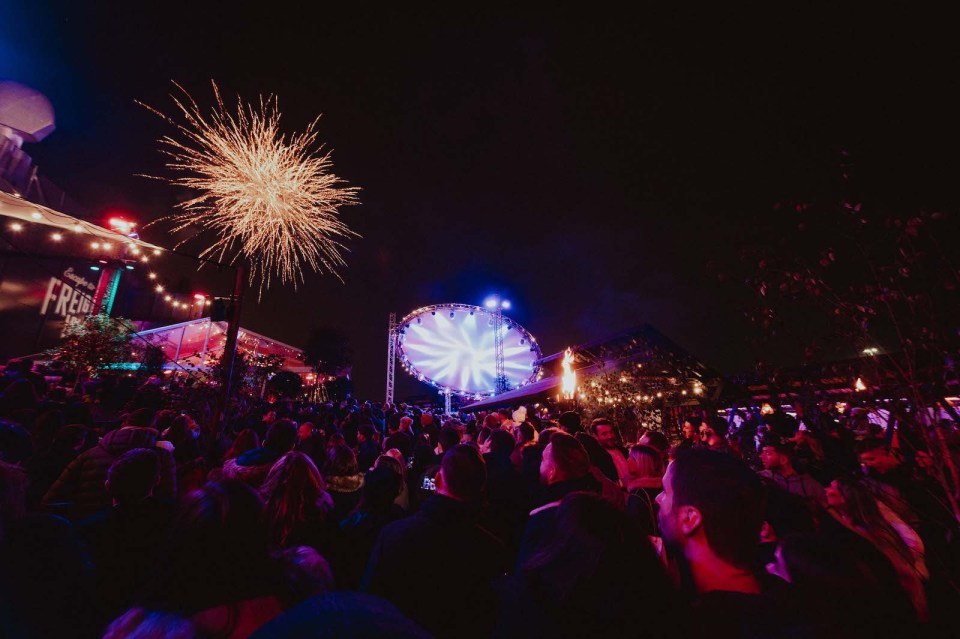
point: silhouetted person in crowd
(46, 580)
(845, 597)
(646, 482)
(182, 434)
(215, 568)
(656, 440)
(508, 503)
(81, 485)
(436, 565)
(603, 469)
(598, 576)
(367, 450)
(124, 539)
(570, 422)
(344, 481)
(777, 459)
(252, 466)
(297, 508)
(852, 504)
(711, 511)
(565, 468)
(608, 435)
(246, 439)
(358, 532)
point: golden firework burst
(268, 198)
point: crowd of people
(123, 515)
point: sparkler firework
(270, 199)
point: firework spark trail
(268, 199)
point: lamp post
(498, 305)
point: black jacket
(543, 520)
(437, 567)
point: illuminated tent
(199, 343)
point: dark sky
(589, 167)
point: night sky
(595, 169)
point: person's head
(290, 493)
(449, 437)
(426, 419)
(852, 497)
(605, 432)
(406, 422)
(281, 436)
(180, 431)
(501, 443)
(713, 429)
(689, 429)
(381, 485)
(645, 462)
(393, 459)
(876, 456)
(164, 419)
(526, 434)
(247, 439)
(216, 552)
(570, 422)
(304, 431)
(463, 474)
(656, 440)
(784, 514)
(564, 458)
(71, 437)
(491, 421)
(133, 476)
(775, 455)
(711, 501)
(364, 433)
(341, 462)
(142, 418)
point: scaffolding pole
(391, 357)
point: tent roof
(15, 207)
(533, 389)
(191, 343)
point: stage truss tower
(391, 356)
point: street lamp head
(491, 302)
(505, 304)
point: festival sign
(39, 297)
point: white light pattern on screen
(458, 352)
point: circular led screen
(452, 346)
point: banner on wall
(39, 298)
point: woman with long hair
(646, 482)
(853, 505)
(344, 480)
(246, 440)
(296, 503)
(848, 596)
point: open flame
(569, 380)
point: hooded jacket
(81, 484)
(251, 467)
